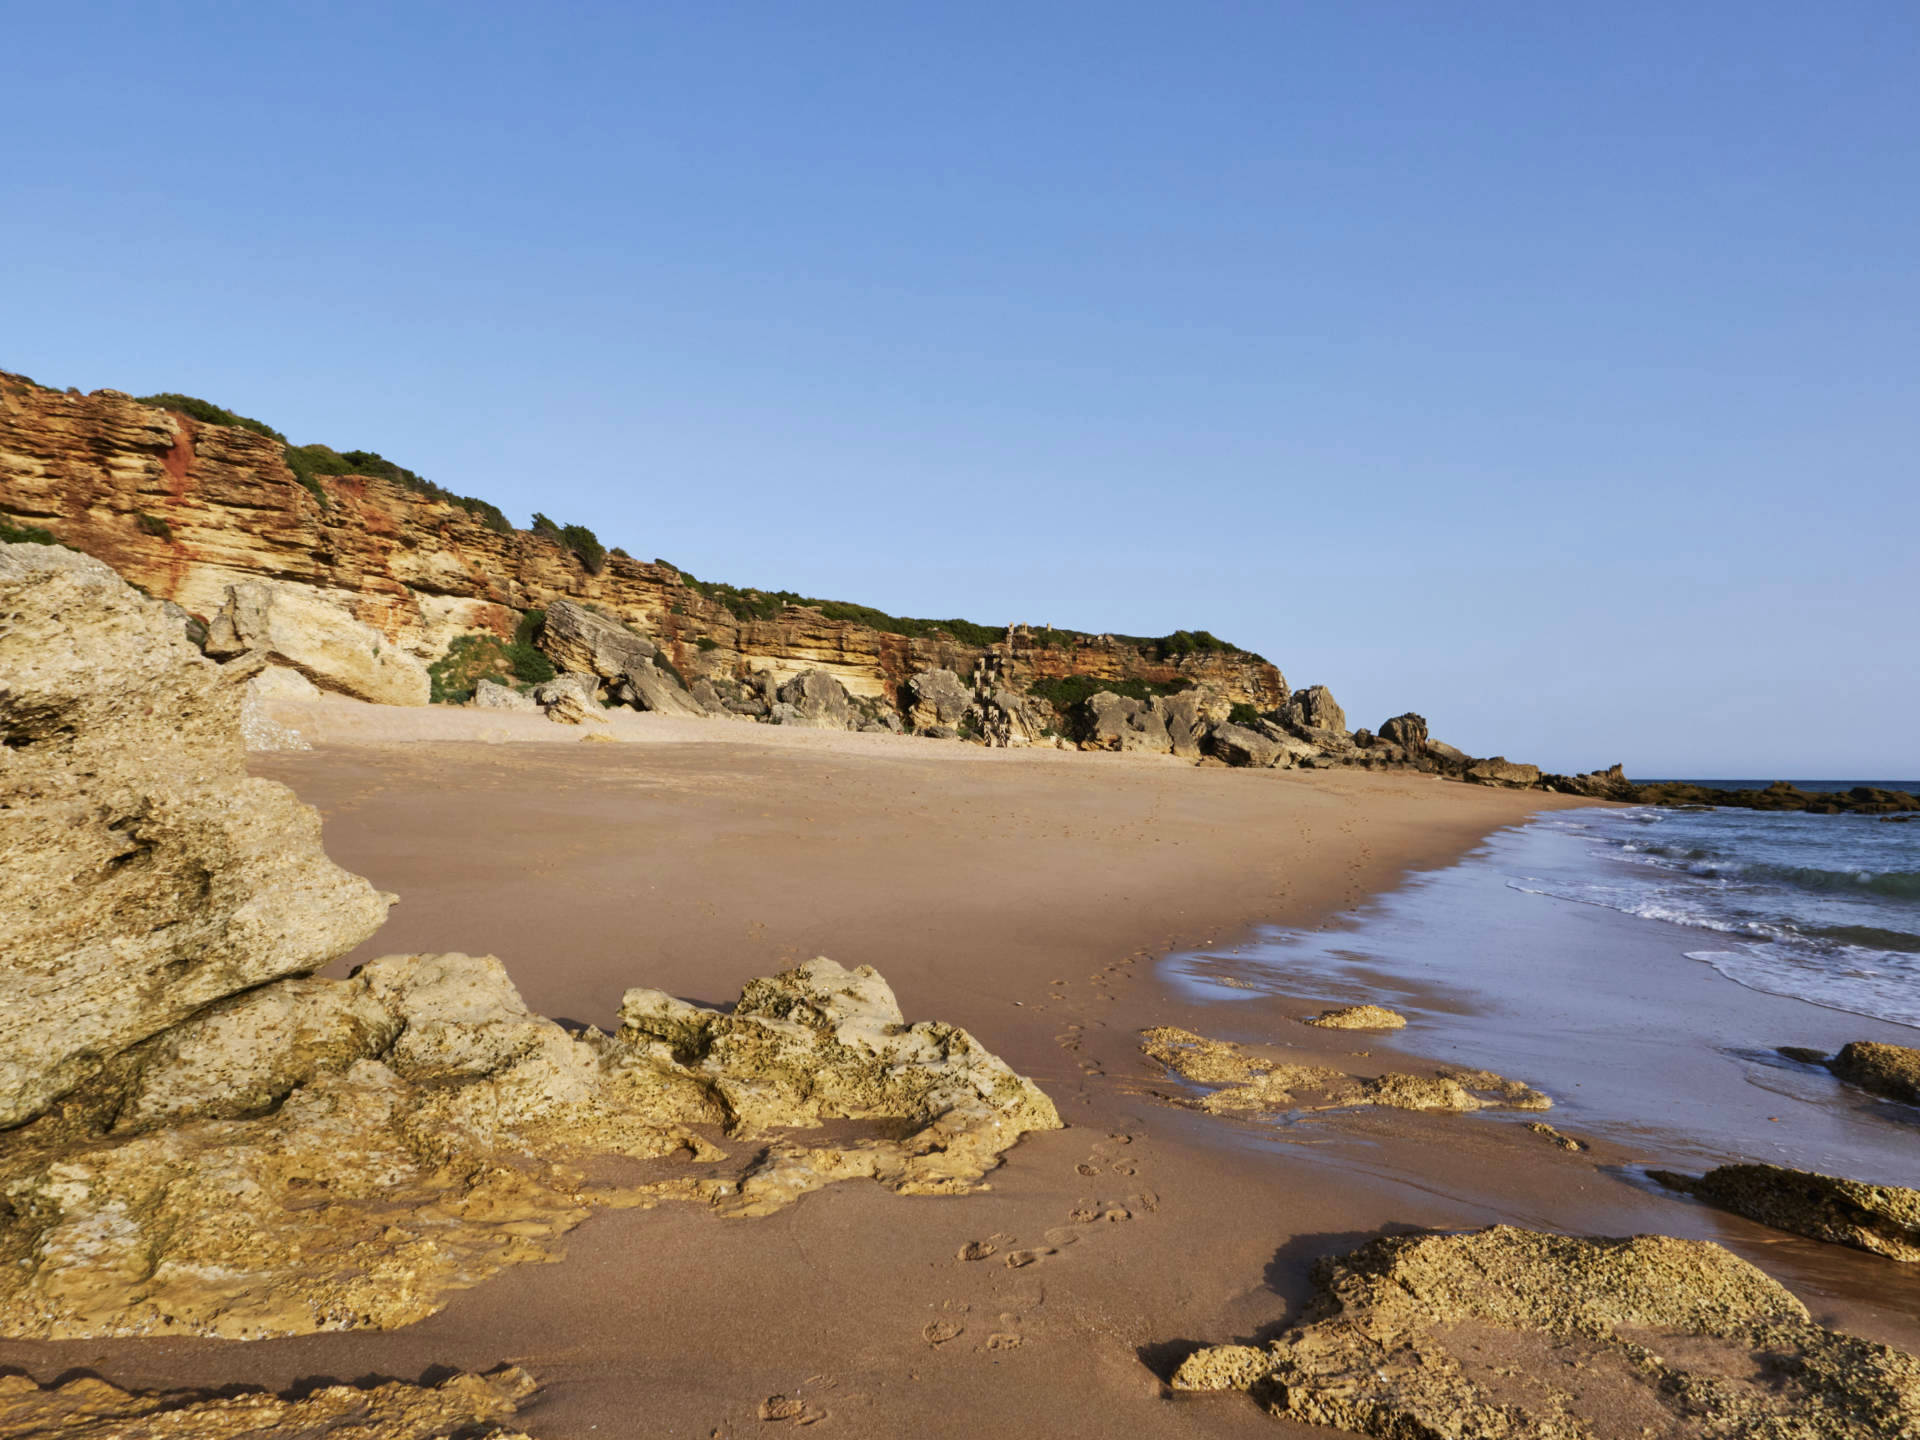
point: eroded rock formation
(473, 1407)
(1238, 1080)
(1883, 1219)
(207, 1140)
(1511, 1334)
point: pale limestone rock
(442, 1122)
(815, 700)
(1509, 1334)
(297, 629)
(492, 695)
(935, 698)
(277, 682)
(149, 875)
(577, 639)
(653, 689)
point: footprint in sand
(977, 1250)
(1020, 1259)
(791, 1408)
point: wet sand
(1027, 896)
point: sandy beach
(1023, 894)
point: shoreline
(972, 888)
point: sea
(1644, 965)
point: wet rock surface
(1359, 1017)
(1889, 1070)
(473, 1407)
(1241, 1081)
(1883, 1219)
(1514, 1333)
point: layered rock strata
(186, 509)
(1511, 1334)
(205, 1139)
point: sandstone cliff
(186, 509)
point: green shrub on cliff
(473, 658)
(153, 525)
(12, 534)
(208, 413)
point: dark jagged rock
(1889, 1070)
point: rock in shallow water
(1511, 1334)
(1360, 1017)
(1883, 1219)
(1245, 1081)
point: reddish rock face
(184, 509)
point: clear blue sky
(1551, 370)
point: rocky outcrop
(1238, 745)
(205, 1140)
(1511, 1334)
(1237, 1080)
(645, 686)
(1359, 1017)
(1501, 772)
(1119, 722)
(149, 876)
(297, 629)
(1889, 1070)
(474, 1407)
(815, 700)
(1884, 1219)
(936, 700)
(1314, 711)
(576, 639)
(1781, 796)
(492, 695)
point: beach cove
(1030, 897)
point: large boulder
(936, 699)
(577, 639)
(815, 700)
(296, 628)
(1408, 732)
(492, 695)
(1509, 1334)
(148, 875)
(572, 698)
(1237, 745)
(650, 688)
(1884, 1219)
(1501, 772)
(1010, 718)
(1315, 711)
(1119, 722)
(1889, 1070)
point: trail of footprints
(1090, 1215)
